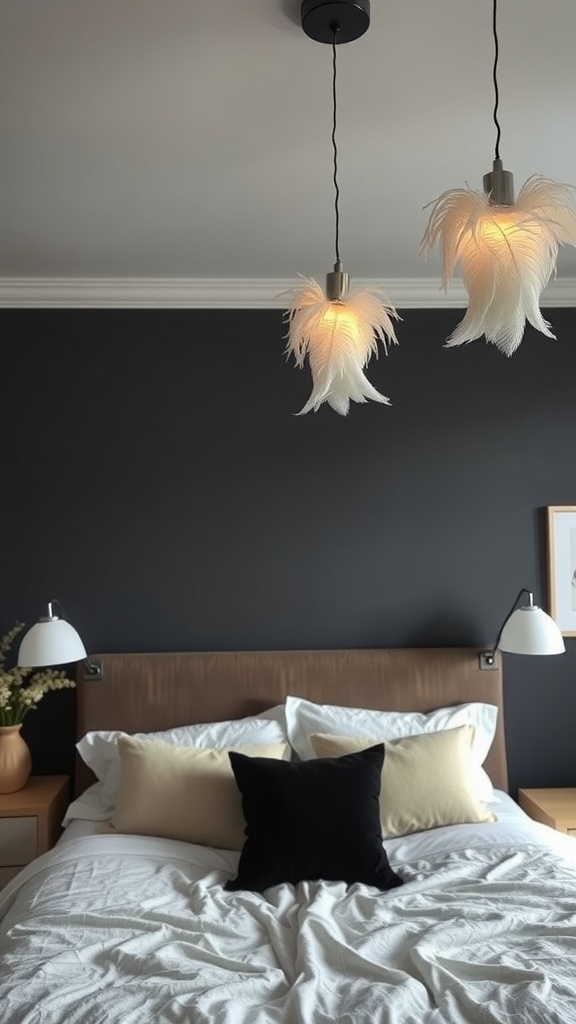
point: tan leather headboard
(148, 692)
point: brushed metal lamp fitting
(499, 185)
(337, 283)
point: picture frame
(561, 539)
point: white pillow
(303, 718)
(99, 750)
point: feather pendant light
(507, 248)
(336, 329)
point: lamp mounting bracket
(93, 670)
(488, 661)
(340, 21)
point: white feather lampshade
(338, 337)
(507, 253)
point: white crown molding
(213, 293)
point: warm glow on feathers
(507, 253)
(339, 339)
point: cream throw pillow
(183, 792)
(427, 780)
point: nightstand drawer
(30, 821)
(18, 840)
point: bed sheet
(135, 929)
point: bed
(453, 907)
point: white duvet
(131, 930)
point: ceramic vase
(15, 760)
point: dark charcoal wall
(156, 481)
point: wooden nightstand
(554, 807)
(30, 821)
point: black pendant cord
(495, 80)
(335, 28)
(524, 590)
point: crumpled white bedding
(131, 930)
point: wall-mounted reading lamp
(54, 641)
(525, 630)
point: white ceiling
(190, 139)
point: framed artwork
(562, 567)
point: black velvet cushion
(317, 819)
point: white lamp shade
(529, 630)
(51, 642)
